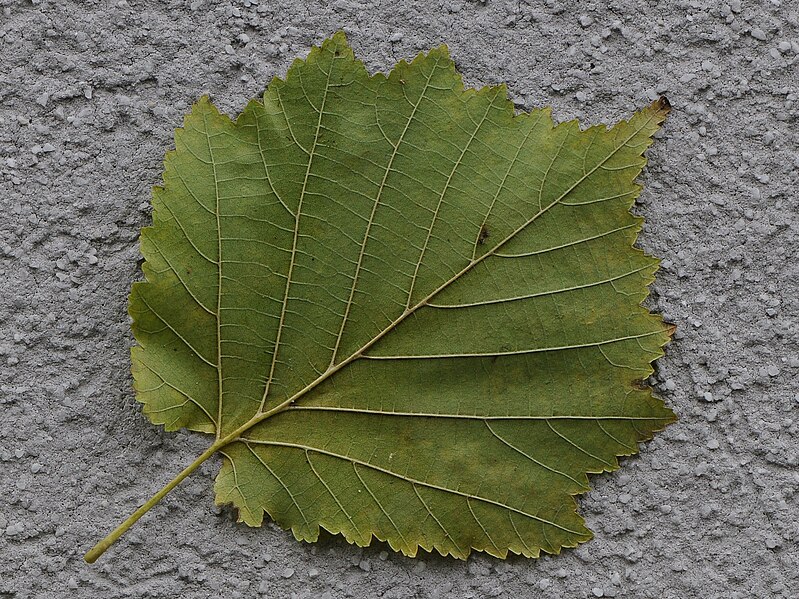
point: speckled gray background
(90, 92)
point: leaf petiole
(95, 552)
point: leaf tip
(338, 44)
(443, 49)
(340, 37)
(202, 105)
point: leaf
(403, 311)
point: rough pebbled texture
(711, 509)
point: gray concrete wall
(90, 93)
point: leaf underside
(406, 312)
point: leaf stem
(101, 547)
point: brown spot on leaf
(484, 234)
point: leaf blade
(356, 215)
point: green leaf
(403, 311)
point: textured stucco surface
(90, 93)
